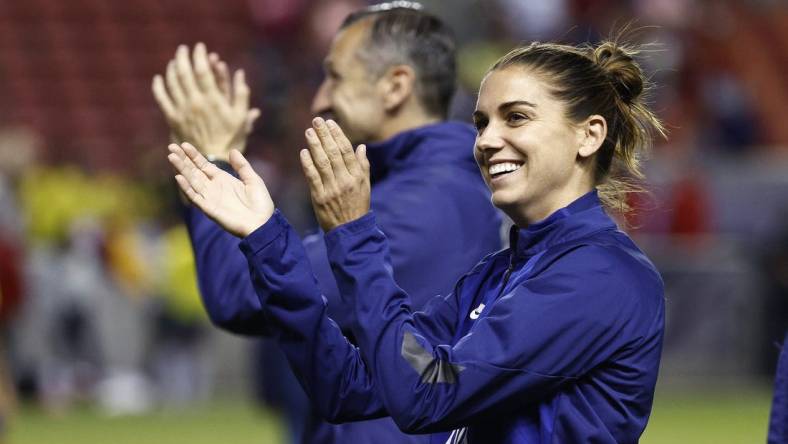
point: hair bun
(620, 67)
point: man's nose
(321, 103)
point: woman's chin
(503, 202)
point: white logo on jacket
(477, 311)
(458, 436)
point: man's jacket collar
(447, 142)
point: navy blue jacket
(778, 422)
(432, 204)
(555, 340)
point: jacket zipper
(506, 276)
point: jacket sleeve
(536, 337)
(328, 366)
(229, 296)
(223, 277)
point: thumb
(243, 168)
(251, 117)
(361, 155)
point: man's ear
(592, 135)
(397, 86)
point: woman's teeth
(503, 168)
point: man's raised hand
(202, 104)
(338, 177)
(239, 206)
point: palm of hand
(239, 207)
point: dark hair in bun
(624, 73)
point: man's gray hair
(402, 33)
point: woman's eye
(516, 118)
(479, 124)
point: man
(390, 75)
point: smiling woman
(556, 339)
(573, 118)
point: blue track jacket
(555, 340)
(431, 202)
(778, 422)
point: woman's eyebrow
(504, 106)
(510, 104)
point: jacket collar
(440, 142)
(581, 218)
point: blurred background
(102, 333)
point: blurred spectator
(689, 206)
(179, 324)
(541, 21)
(96, 258)
(18, 149)
(729, 119)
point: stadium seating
(79, 71)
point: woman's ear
(593, 134)
(397, 86)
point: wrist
(355, 226)
(265, 233)
(255, 224)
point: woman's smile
(501, 172)
(502, 168)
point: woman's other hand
(338, 177)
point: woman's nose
(489, 139)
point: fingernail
(310, 132)
(331, 123)
(317, 121)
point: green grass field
(225, 422)
(729, 416)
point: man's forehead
(348, 39)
